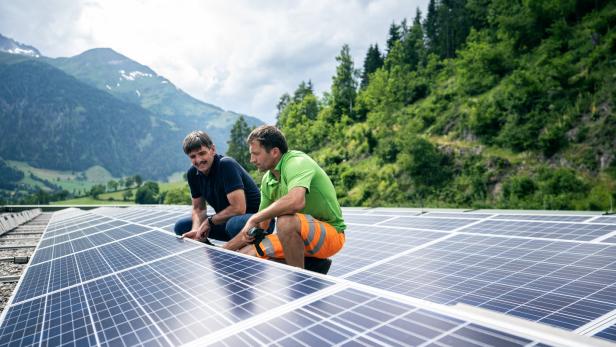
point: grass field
(90, 201)
(115, 198)
(72, 181)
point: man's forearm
(224, 215)
(197, 218)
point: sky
(241, 55)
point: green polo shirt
(297, 169)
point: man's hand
(198, 234)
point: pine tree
(283, 102)
(238, 149)
(344, 86)
(302, 90)
(394, 36)
(373, 61)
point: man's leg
(183, 226)
(289, 233)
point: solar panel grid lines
(473, 283)
(457, 215)
(607, 238)
(95, 240)
(608, 333)
(490, 319)
(605, 219)
(395, 256)
(549, 218)
(67, 227)
(43, 271)
(538, 229)
(236, 288)
(88, 229)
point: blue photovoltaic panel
(41, 255)
(457, 215)
(256, 274)
(608, 333)
(67, 311)
(64, 273)
(565, 231)
(118, 319)
(118, 257)
(610, 240)
(401, 213)
(565, 284)
(100, 280)
(99, 239)
(92, 264)
(549, 218)
(365, 219)
(352, 316)
(81, 244)
(442, 224)
(605, 219)
(22, 324)
(367, 244)
(36, 280)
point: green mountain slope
(51, 120)
(130, 81)
(482, 104)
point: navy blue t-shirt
(225, 176)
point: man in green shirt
(298, 193)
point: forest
(474, 104)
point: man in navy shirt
(225, 185)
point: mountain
(99, 108)
(50, 119)
(11, 46)
(130, 81)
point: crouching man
(297, 192)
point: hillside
(51, 120)
(479, 104)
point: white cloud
(240, 55)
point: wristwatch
(210, 221)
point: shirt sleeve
(299, 173)
(193, 184)
(231, 175)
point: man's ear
(213, 147)
(276, 152)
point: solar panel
(605, 219)
(564, 284)
(457, 215)
(550, 218)
(366, 244)
(565, 231)
(352, 316)
(609, 333)
(428, 223)
(114, 282)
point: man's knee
(249, 250)
(182, 226)
(287, 224)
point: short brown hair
(269, 137)
(195, 140)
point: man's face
(261, 158)
(202, 158)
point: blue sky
(241, 55)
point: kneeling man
(297, 191)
